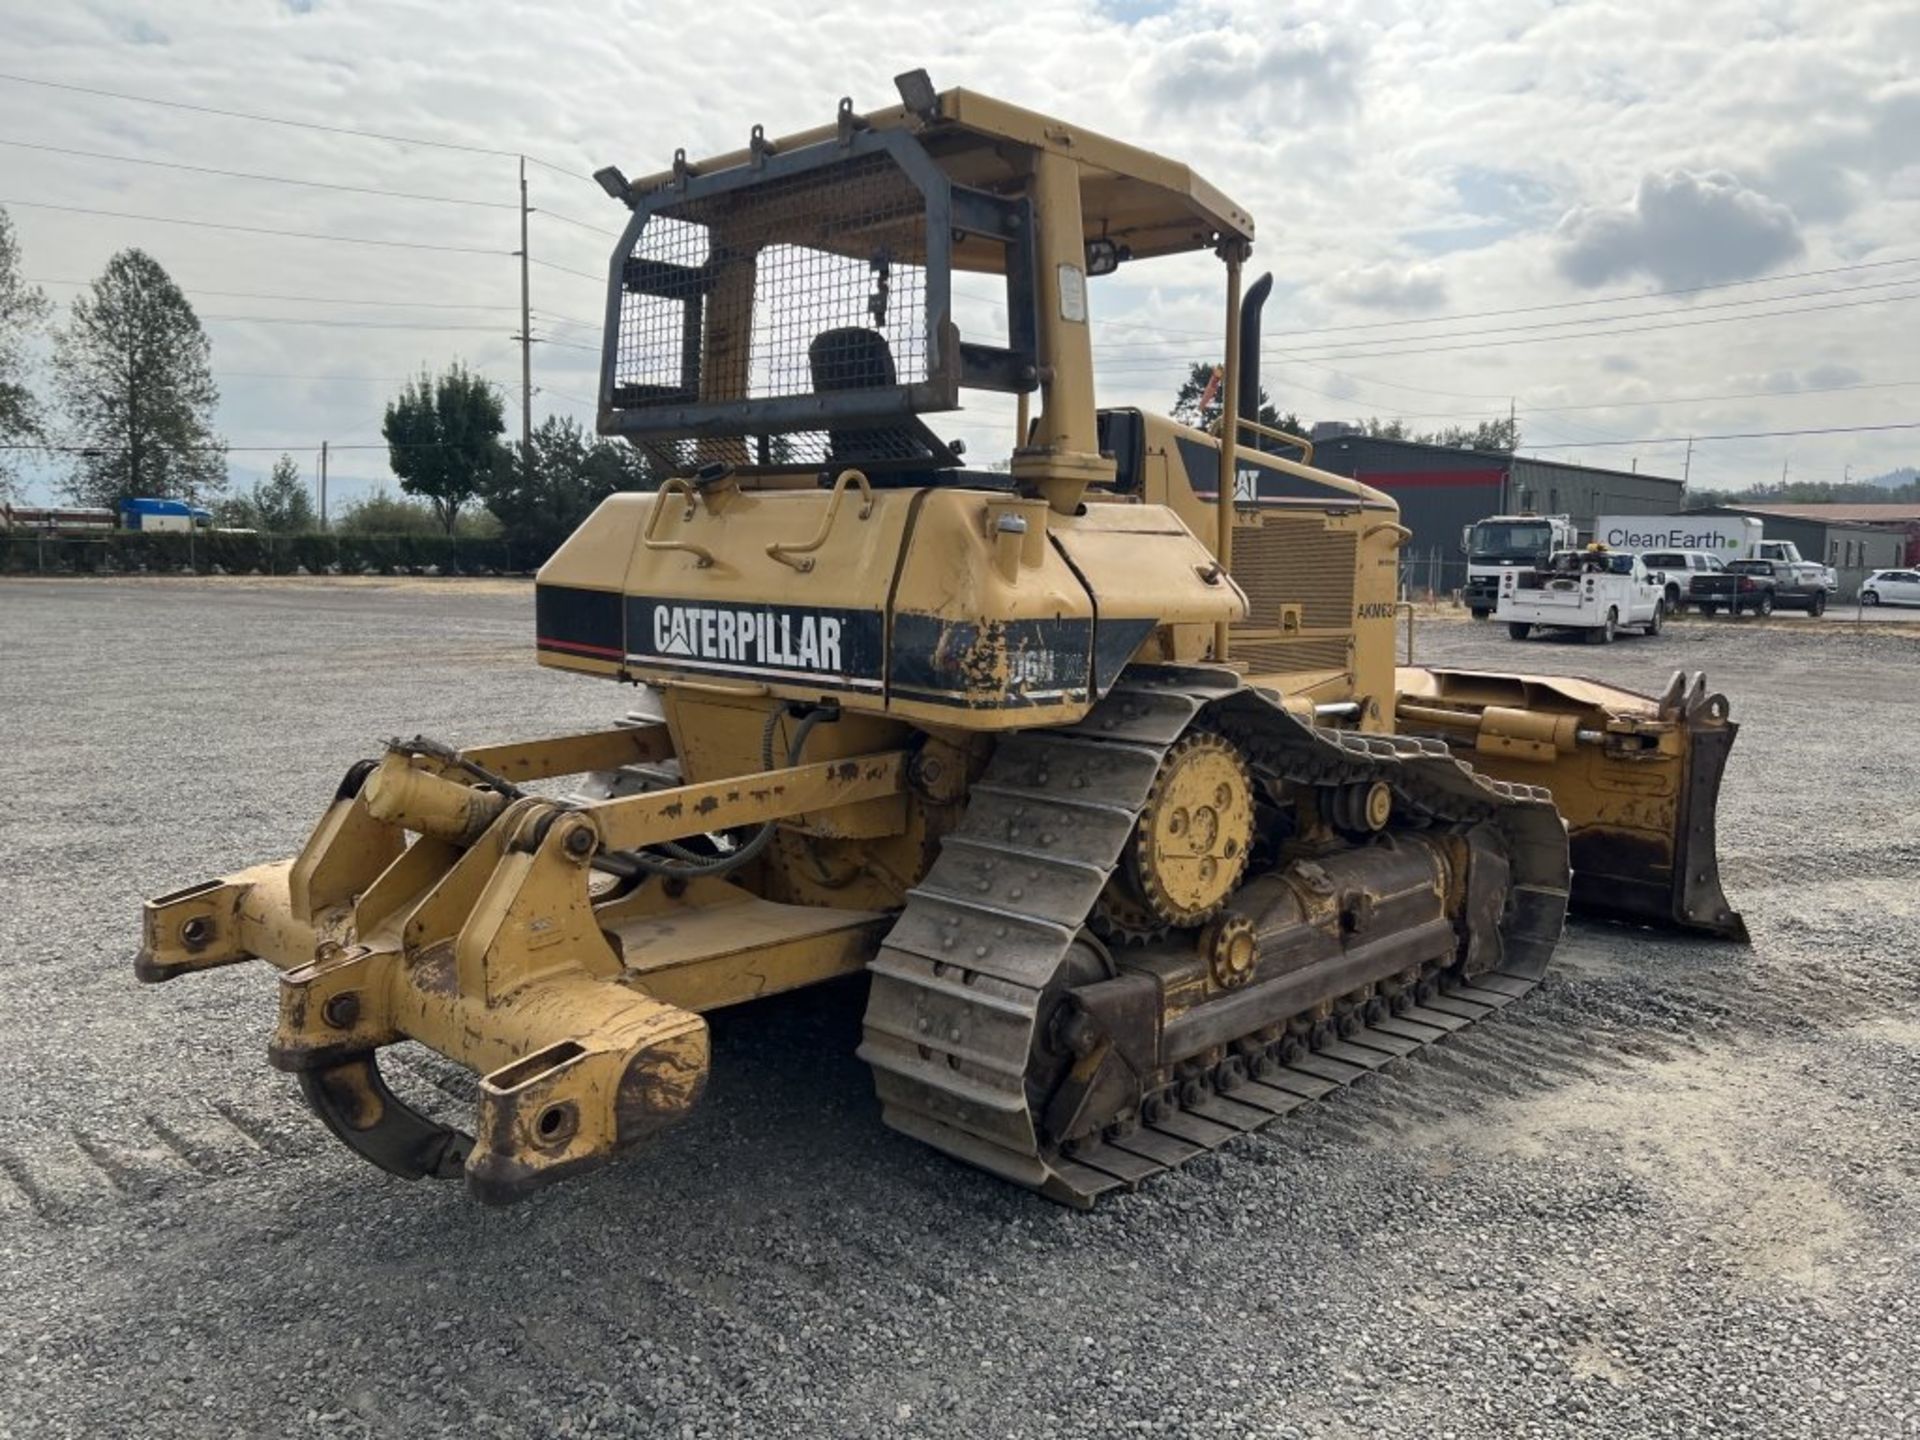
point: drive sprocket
(1190, 847)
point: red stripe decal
(610, 652)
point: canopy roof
(1152, 205)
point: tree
(23, 308)
(1821, 492)
(278, 505)
(281, 503)
(541, 503)
(1501, 434)
(1188, 408)
(443, 439)
(236, 512)
(132, 368)
(382, 513)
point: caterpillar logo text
(755, 637)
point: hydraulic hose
(684, 863)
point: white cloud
(1819, 376)
(1279, 75)
(1390, 287)
(1681, 229)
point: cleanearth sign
(1731, 537)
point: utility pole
(323, 485)
(526, 339)
(1686, 469)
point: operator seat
(852, 357)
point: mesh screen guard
(796, 312)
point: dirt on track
(1671, 1193)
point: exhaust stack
(1250, 307)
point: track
(992, 933)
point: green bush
(169, 552)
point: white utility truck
(1596, 590)
(1507, 542)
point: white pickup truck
(1599, 591)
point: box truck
(1730, 537)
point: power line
(343, 379)
(554, 318)
(265, 179)
(303, 299)
(1675, 400)
(1286, 357)
(294, 124)
(1736, 435)
(1602, 319)
(551, 214)
(1630, 330)
(354, 379)
(255, 229)
(549, 265)
(341, 324)
(1536, 309)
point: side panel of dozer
(1637, 779)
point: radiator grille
(1271, 656)
(1296, 560)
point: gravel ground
(1672, 1193)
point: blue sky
(1407, 163)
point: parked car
(1891, 587)
(1759, 587)
(1680, 566)
(1594, 590)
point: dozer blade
(1636, 778)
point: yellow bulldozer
(1096, 762)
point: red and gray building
(1441, 490)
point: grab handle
(668, 486)
(800, 557)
